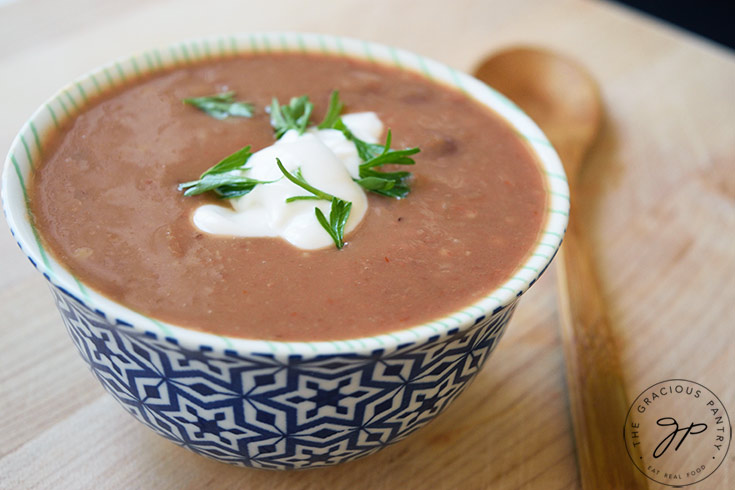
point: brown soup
(106, 203)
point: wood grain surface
(662, 227)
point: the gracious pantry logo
(677, 432)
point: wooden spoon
(564, 101)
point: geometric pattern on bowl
(278, 411)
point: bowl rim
(27, 147)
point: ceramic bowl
(265, 404)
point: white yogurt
(327, 160)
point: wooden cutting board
(662, 177)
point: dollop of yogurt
(326, 159)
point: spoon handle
(597, 396)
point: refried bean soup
(114, 200)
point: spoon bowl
(555, 92)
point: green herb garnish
(390, 184)
(333, 111)
(339, 210)
(221, 106)
(338, 214)
(225, 178)
(295, 115)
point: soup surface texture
(106, 203)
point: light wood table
(663, 173)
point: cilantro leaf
(333, 112)
(338, 214)
(231, 162)
(389, 184)
(295, 115)
(339, 211)
(227, 186)
(221, 106)
(225, 178)
(299, 180)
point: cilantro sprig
(222, 105)
(374, 156)
(390, 184)
(331, 118)
(225, 178)
(295, 115)
(339, 211)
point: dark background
(712, 19)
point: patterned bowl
(264, 404)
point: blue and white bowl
(265, 404)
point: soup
(106, 201)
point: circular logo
(677, 432)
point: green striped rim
(163, 327)
(533, 139)
(135, 66)
(559, 194)
(424, 69)
(53, 115)
(557, 176)
(159, 58)
(36, 138)
(82, 288)
(394, 55)
(148, 61)
(96, 84)
(63, 107)
(368, 53)
(108, 77)
(456, 80)
(27, 150)
(228, 343)
(71, 101)
(37, 238)
(153, 60)
(121, 72)
(82, 93)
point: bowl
(266, 404)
